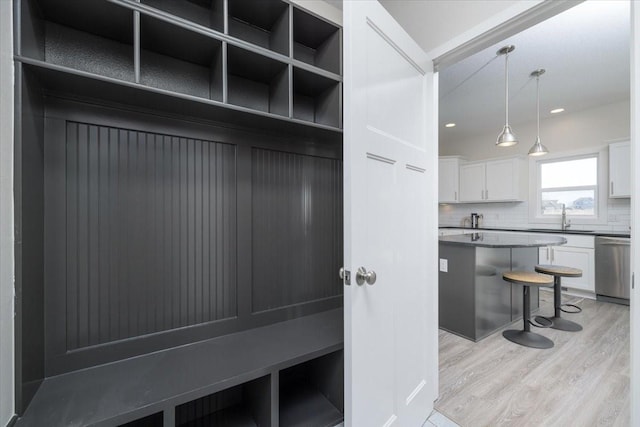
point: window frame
(601, 188)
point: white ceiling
(584, 50)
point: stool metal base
(527, 338)
(563, 324)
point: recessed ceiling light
(557, 110)
(450, 125)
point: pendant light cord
(506, 88)
(538, 104)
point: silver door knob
(341, 273)
(362, 275)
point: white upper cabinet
(620, 169)
(472, 182)
(448, 189)
(491, 181)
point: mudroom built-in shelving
(178, 172)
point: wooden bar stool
(559, 271)
(526, 337)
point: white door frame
(635, 214)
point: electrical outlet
(444, 265)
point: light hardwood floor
(582, 381)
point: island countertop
(500, 240)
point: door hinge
(633, 281)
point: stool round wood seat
(528, 278)
(559, 271)
(525, 337)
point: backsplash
(516, 215)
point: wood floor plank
(583, 380)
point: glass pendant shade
(538, 149)
(506, 138)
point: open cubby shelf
(312, 393)
(208, 13)
(316, 42)
(245, 405)
(249, 67)
(316, 98)
(168, 51)
(264, 23)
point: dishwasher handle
(612, 241)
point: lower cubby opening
(257, 82)
(245, 405)
(312, 393)
(153, 420)
(316, 98)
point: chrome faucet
(565, 223)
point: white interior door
(390, 160)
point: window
(579, 180)
(572, 183)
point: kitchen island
(474, 301)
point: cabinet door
(620, 170)
(501, 180)
(472, 182)
(581, 258)
(448, 180)
(544, 255)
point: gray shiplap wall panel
(296, 226)
(150, 233)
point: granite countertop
(499, 240)
(549, 230)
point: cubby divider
(316, 42)
(209, 13)
(176, 59)
(316, 98)
(264, 23)
(257, 82)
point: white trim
(7, 222)
(635, 215)
(484, 27)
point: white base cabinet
(577, 253)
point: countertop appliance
(613, 269)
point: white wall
(565, 132)
(6, 214)
(562, 132)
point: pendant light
(538, 149)
(506, 138)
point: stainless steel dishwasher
(613, 269)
